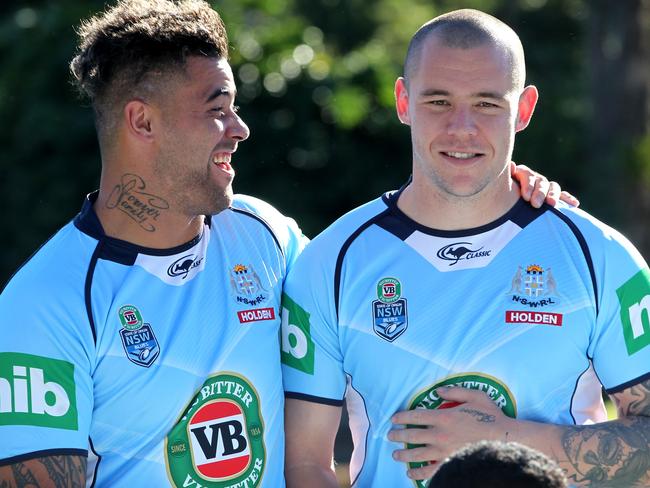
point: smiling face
(200, 131)
(464, 107)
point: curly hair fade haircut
(123, 51)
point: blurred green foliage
(315, 82)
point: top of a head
(118, 48)
(468, 29)
(493, 464)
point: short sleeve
(46, 397)
(620, 350)
(312, 362)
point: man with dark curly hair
(147, 352)
(147, 349)
(493, 464)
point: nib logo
(38, 391)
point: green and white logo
(39, 391)
(130, 317)
(389, 290)
(297, 345)
(634, 298)
(219, 440)
(428, 398)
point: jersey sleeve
(312, 362)
(620, 347)
(46, 388)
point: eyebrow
(444, 93)
(219, 92)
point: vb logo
(37, 391)
(297, 345)
(218, 440)
(634, 298)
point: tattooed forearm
(478, 415)
(617, 453)
(129, 197)
(59, 471)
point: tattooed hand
(130, 198)
(438, 433)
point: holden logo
(182, 266)
(458, 250)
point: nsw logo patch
(247, 285)
(389, 313)
(138, 339)
(219, 441)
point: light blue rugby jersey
(163, 365)
(537, 309)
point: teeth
(462, 155)
(221, 158)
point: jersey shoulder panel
(284, 230)
(621, 347)
(602, 238)
(331, 242)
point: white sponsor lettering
(636, 316)
(32, 399)
(299, 350)
(515, 317)
(229, 387)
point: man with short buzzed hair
(139, 346)
(432, 311)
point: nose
(238, 129)
(461, 122)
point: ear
(138, 116)
(526, 107)
(402, 101)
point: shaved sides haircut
(132, 49)
(468, 29)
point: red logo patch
(219, 442)
(545, 318)
(255, 315)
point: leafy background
(316, 80)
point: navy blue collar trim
(118, 250)
(521, 213)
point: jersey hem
(46, 452)
(313, 399)
(627, 384)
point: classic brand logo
(182, 266)
(219, 439)
(247, 285)
(634, 298)
(138, 339)
(297, 345)
(458, 250)
(36, 390)
(389, 314)
(428, 398)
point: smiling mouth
(461, 155)
(222, 160)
